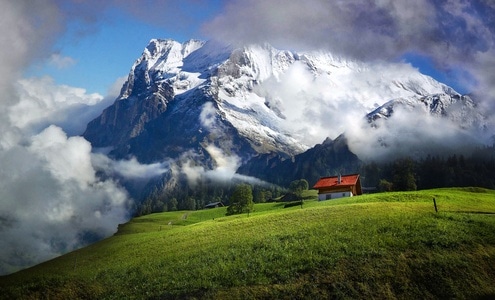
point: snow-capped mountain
(458, 108)
(216, 106)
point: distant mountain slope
(174, 101)
(326, 159)
(206, 106)
(460, 109)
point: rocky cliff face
(326, 159)
(174, 102)
(144, 97)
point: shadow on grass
(477, 213)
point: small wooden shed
(338, 186)
(214, 205)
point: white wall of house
(331, 196)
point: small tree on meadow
(303, 183)
(241, 200)
(298, 186)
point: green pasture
(384, 246)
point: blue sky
(451, 77)
(101, 41)
(93, 54)
(97, 59)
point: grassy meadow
(384, 246)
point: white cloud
(114, 90)
(61, 62)
(193, 172)
(52, 200)
(224, 165)
(321, 104)
(361, 29)
(28, 28)
(41, 102)
(129, 169)
(223, 171)
(207, 116)
(458, 35)
(409, 132)
(68, 159)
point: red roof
(333, 181)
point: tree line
(187, 197)
(402, 174)
(433, 171)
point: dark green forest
(186, 197)
(402, 174)
(406, 174)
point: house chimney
(339, 180)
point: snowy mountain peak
(170, 50)
(268, 100)
(157, 46)
(459, 109)
(161, 60)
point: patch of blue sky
(457, 78)
(100, 53)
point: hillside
(390, 245)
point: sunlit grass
(391, 245)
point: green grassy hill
(385, 246)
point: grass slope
(387, 246)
